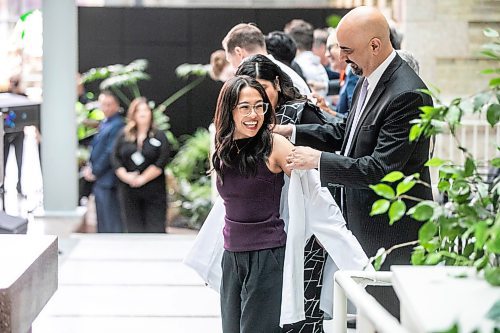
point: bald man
(374, 140)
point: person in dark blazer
(100, 170)
(373, 142)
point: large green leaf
(490, 71)
(443, 186)
(415, 132)
(418, 256)
(481, 234)
(492, 275)
(380, 207)
(393, 176)
(494, 83)
(493, 244)
(480, 100)
(427, 231)
(481, 262)
(404, 187)
(396, 211)
(423, 211)
(383, 190)
(469, 168)
(496, 162)
(460, 191)
(433, 258)
(493, 114)
(490, 54)
(432, 245)
(435, 162)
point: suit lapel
(377, 92)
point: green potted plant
(190, 167)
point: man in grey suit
(374, 141)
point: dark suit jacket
(102, 147)
(380, 145)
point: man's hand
(285, 130)
(303, 158)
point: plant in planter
(465, 230)
(190, 167)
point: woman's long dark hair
(262, 68)
(259, 147)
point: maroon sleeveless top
(252, 220)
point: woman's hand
(126, 177)
(138, 181)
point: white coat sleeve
(205, 257)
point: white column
(59, 142)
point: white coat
(307, 209)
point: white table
(433, 298)
(28, 279)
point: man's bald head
(363, 36)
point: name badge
(155, 142)
(137, 158)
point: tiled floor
(128, 283)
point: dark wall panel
(210, 26)
(156, 25)
(168, 37)
(100, 24)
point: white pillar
(59, 142)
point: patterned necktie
(357, 115)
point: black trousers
(144, 209)
(16, 139)
(251, 291)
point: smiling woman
(250, 165)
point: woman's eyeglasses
(246, 109)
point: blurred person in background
(13, 137)
(220, 68)
(139, 159)
(302, 33)
(319, 49)
(283, 48)
(99, 170)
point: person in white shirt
(302, 33)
